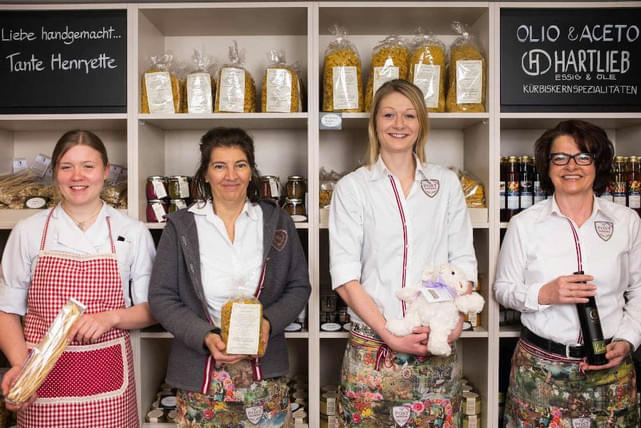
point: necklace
(84, 224)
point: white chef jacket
(539, 247)
(228, 268)
(380, 238)
(135, 252)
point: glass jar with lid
(296, 187)
(177, 204)
(156, 211)
(178, 187)
(295, 208)
(156, 187)
(269, 187)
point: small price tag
(114, 174)
(434, 295)
(331, 121)
(40, 165)
(20, 164)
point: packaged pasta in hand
(342, 87)
(427, 69)
(44, 356)
(281, 85)
(161, 90)
(236, 91)
(200, 85)
(468, 75)
(242, 324)
(389, 62)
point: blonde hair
(412, 93)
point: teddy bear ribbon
(438, 284)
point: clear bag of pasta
(43, 357)
(281, 85)
(472, 190)
(236, 90)
(161, 90)
(200, 85)
(241, 320)
(342, 82)
(427, 69)
(389, 62)
(468, 73)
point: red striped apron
(90, 385)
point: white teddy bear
(436, 302)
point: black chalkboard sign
(56, 61)
(570, 60)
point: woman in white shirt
(543, 248)
(86, 250)
(388, 221)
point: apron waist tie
(364, 336)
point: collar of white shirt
(207, 209)
(599, 206)
(379, 170)
(74, 237)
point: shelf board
(510, 331)
(157, 333)
(9, 218)
(550, 120)
(63, 122)
(201, 121)
(436, 120)
(299, 225)
(478, 332)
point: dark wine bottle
(593, 341)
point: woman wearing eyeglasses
(551, 383)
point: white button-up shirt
(539, 247)
(135, 252)
(229, 269)
(384, 240)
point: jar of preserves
(177, 204)
(269, 187)
(178, 187)
(156, 211)
(295, 208)
(156, 187)
(296, 187)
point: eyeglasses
(581, 159)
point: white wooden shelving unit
(287, 144)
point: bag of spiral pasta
(468, 75)
(342, 87)
(200, 85)
(427, 69)
(161, 90)
(389, 62)
(236, 91)
(281, 85)
(241, 319)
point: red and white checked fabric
(90, 385)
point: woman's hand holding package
(616, 352)
(567, 289)
(91, 326)
(217, 347)
(7, 382)
(265, 330)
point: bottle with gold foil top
(526, 185)
(539, 193)
(503, 189)
(634, 184)
(619, 181)
(512, 182)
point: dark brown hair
(224, 137)
(589, 138)
(74, 138)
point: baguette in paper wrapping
(44, 356)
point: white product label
(513, 202)
(345, 88)
(19, 164)
(473, 319)
(254, 414)
(159, 189)
(40, 165)
(526, 200)
(470, 404)
(159, 95)
(434, 295)
(384, 74)
(502, 195)
(35, 202)
(159, 212)
(180, 204)
(469, 81)
(428, 78)
(581, 423)
(183, 186)
(244, 329)
(232, 90)
(619, 200)
(331, 406)
(401, 414)
(279, 90)
(634, 201)
(199, 99)
(274, 188)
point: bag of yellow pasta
(472, 190)
(468, 75)
(241, 322)
(200, 85)
(342, 87)
(44, 356)
(236, 91)
(427, 69)
(389, 62)
(161, 90)
(281, 85)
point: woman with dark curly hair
(544, 247)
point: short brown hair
(74, 138)
(589, 138)
(412, 93)
(224, 137)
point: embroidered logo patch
(604, 229)
(280, 239)
(401, 414)
(430, 187)
(581, 423)
(254, 414)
